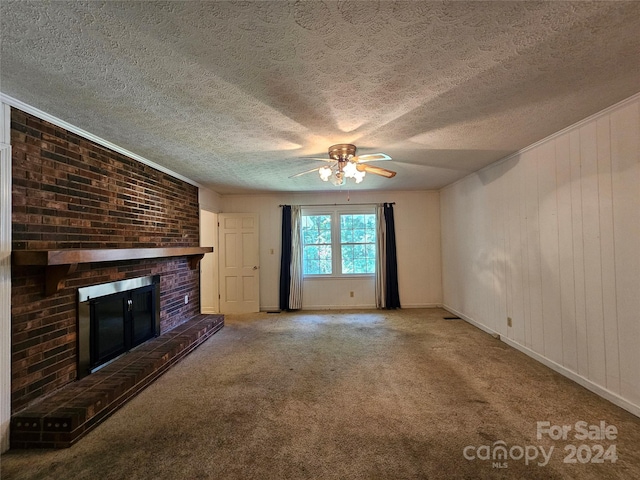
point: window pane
(311, 267)
(325, 266)
(358, 238)
(347, 259)
(371, 264)
(316, 239)
(359, 235)
(308, 237)
(370, 221)
(316, 229)
(359, 251)
(371, 251)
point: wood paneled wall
(551, 238)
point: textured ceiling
(232, 94)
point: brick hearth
(61, 419)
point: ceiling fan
(346, 164)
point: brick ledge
(61, 419)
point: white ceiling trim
(14, 102)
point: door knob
(255, 267)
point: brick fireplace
(70, 193)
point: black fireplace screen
(120, 322)
(114, 318)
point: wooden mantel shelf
(60, 263)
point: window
(316, 245)
(358, 243)
(339, 242)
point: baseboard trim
(351, 307)
(421, 305)
(579, 379)
(339, 307)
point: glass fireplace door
(120, 322)
(108, 317)
(142, 316)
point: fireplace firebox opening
(114, 318)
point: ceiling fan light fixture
(325, 173)
(338, 178)
(345, 164)
(342, 152)
(350, 170)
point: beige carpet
(347, 395)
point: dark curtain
(392, 295)
(285, 258)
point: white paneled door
(239, 268)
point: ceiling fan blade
(304, 173)
(372, 157)
(324, 159)
(376, 170)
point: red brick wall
(69, 192)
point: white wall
(209, 302)
(417, 217)
(551, 238)
(209, 202)
(5, 276)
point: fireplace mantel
(60, 263)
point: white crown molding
(584, 121)
(89, 136)
(5, 277)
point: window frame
(336, 242)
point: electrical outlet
(509, 322)
(351, 294)
(186, 299)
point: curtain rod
(339, 204)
